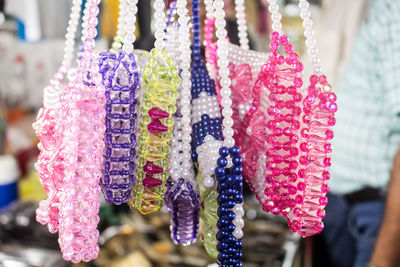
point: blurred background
(31, 49)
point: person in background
(365, 182)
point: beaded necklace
(82, 121)
(121, 81)
(50, 162)
(157, 106)
(182, 196)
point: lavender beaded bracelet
(120, 78)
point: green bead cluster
(209, 216)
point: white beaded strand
(242, 26)
(159, 18)
(312, 51)
(52, 93)
(209, 15)
(130, 27)
(71, 33)
(121, 18)
(185, 60)
(276, 16)
(223, 72)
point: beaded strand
(319, 107)
(207, 136)
(229, 170)
(242, 26)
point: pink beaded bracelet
(50, 163)
(82, 120)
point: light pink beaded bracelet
(82, 118)
(50, 162)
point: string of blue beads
(230, 193)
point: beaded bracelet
(229, 170)
(182, 195)
(50, 162)
(318, 108)
(207, 137)
(160, 91)
(301, 196)
(282, 77)
(121, 81)
(81, 118)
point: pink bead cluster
(50, 163)
(253, 144)
(82, 117)
(282, 78)
(319, 107)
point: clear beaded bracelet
(157, 106)
(120, 75)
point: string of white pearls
(185, 60)
(210, 15)
(52, 93)
(130, 27)
(225, 81)
(159, 18)
(71, 32)
(273, 8)
(305, 15)
(242, 26)
(226, 102)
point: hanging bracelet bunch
(165, 126)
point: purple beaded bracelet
(182, 201)
(120, 78)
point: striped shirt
(367, 130)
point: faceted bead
(150, 168)
(157, 113)
(156, 127)
(150, 182)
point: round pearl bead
(208, 182)
(238, 233)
